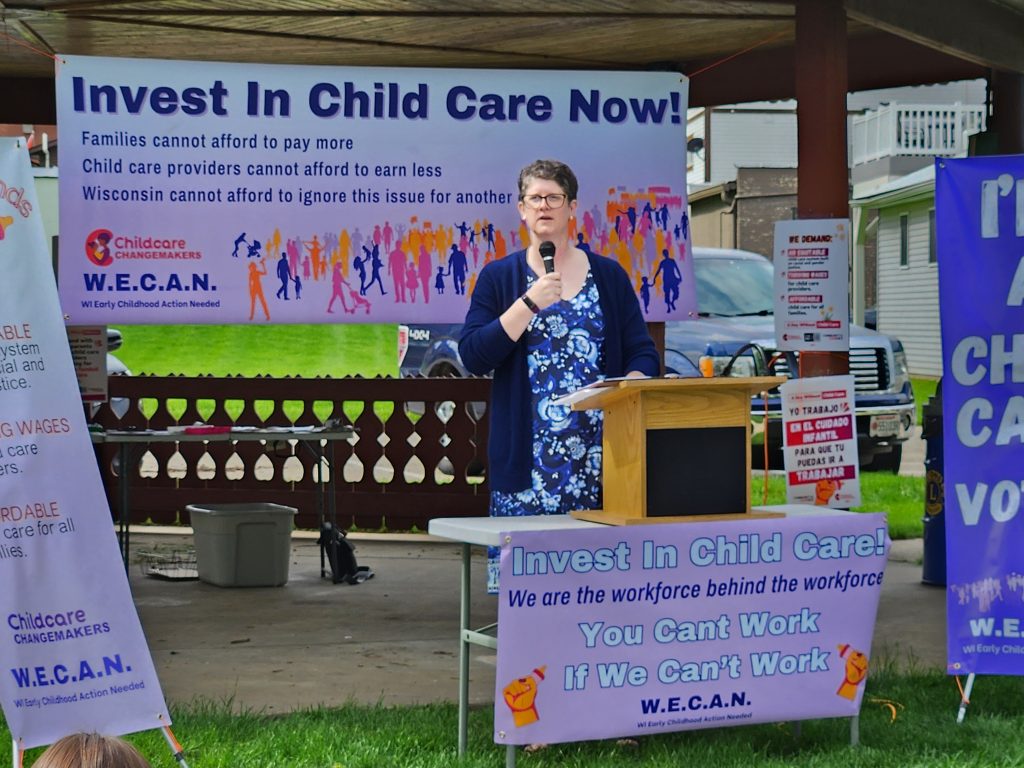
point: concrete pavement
(394, 639)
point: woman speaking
(546, 321)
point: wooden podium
(675, 449)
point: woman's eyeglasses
(553, 201)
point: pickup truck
(734, 297)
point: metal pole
(965, 699)
(124, 454)
(464, 651)
(319, 454)
(176, 750)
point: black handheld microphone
(547, 254)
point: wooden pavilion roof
(733, 50)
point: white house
(893, 134)
(883, 123)
(759, 134)
(907, 284)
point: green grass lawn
(287, 350)
(901, 498)
(924, 389)
(906, 722)
(269, 350)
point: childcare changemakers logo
(97, 247)
(103, 248)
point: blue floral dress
(565, 345)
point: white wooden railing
(914, 129)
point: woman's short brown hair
(91, 750)
(551, 170)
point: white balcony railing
(914, 130)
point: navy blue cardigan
(485, 347)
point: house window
(904, 240)
(932, 255)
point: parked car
(735, 303)
(737, 326)
(114, 366)
(871, 318)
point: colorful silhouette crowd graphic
(408, 263)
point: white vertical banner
(72, 653)
(820, 442)
(812, 284)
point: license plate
(885, 425)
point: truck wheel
(888, 462)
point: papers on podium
(588, 389)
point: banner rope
(963, 696)
(892, 706)
(176, 749)
(764, 396)
(23, 44)
(731, 56)
(764, 492)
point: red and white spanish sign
(812, 286)
(820, 442)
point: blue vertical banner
(979, 211)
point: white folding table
(315, 438)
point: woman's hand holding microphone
(545, 291)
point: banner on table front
(812, 285)
(620, 631)
(979, 210)
(819, 430)
(197, 192)
(72, 653)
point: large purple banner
(979, 206)
(621, 631)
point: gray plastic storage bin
(242, 545)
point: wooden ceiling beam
(535, 59)
(590, 10)
(981, 31)
(875, 60)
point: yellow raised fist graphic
(855, 672)
(520, 696)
